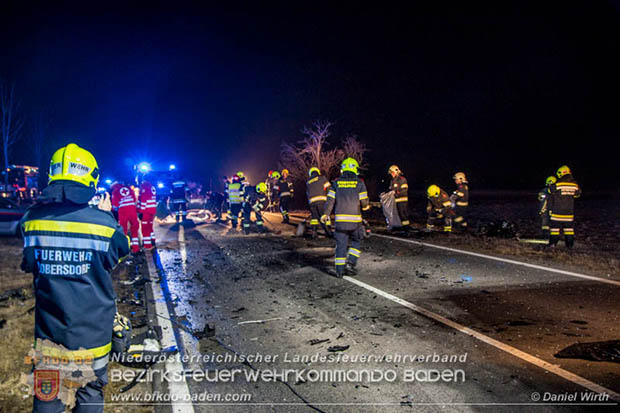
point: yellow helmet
(285, 172)
(394, 169)
(350, 164)
(72, 163)
(275, 175)
(314, 169)
(563, 170)
(261, 187)
(460, 177)
(433, 191)
(551, 180)
(240, 174)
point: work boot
(334, 273)
(350, 270)
(285, 220)
(246, 230)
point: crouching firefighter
(543, 206)
(254, 199)
(70, 248)
(439, 208)
(316, 191)
(346, 196)
(562, 207)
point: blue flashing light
(172, 167)
(160, 185)
(108, 181)
(144, 167)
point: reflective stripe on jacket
(347, 198)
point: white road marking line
(509, 261)
(497, 344)
(173, 365)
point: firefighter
(401, 188)
(460, 199)
(439, 208)
(562, 196)
(178, 198)
(345, 197)
(70, 248)
(124, 201)
(244, 182)
(274, 177)
(235, 202)
(254, 199)
(316, 191)
(284, 189)
(148, 209)
(543, 206)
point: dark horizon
(505, 94)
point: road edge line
(583, 382)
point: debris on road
(334, 349)
(597, 351)
(258, 321)
(316, 341)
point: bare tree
(11, 123)
(313, 150)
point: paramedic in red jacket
(148, 209)
(124, 200)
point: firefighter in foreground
(460, 199)
(148, 210)
(254, 199)
(562, 196)
(543, 206)
(439, 208)
(401, 188)
(235, 202)
(316, 191)
(124, 201)
(284, 190)
(347, 195)
(178, 199)
(70, 248)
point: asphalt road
(269, 296)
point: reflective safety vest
(348, 197)
(71, 249)
(235, 193)
(316, 189)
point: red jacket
(148, 198)
(124, 198)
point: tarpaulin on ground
(388, 204)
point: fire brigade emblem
(46, 384)
(124, 191)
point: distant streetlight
(108, 181)
(144, 167)
(160, 185)
(172, 167)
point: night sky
(506, 94)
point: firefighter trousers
(89, 399)
(459, 219)
(435, 218)
(148, 236)
(247, 219)
(567, 227)
(233, 214)
(348, 252)
(316, 210)
(403, 212)
(285, 202)
(545, 225)
(129, 221)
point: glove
(121, 334)
(324, 218)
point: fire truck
(20, 181)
